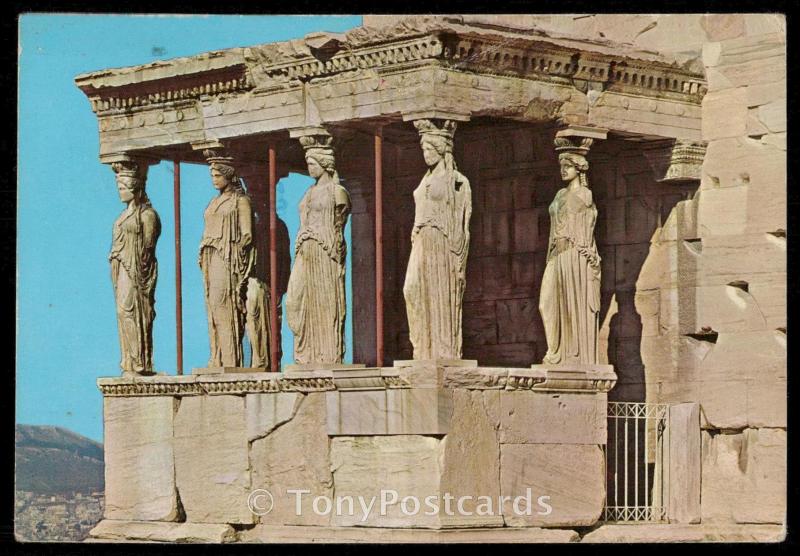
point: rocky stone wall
(714, 283)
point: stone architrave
(569, 301)
(436, 274)
(315, 298)
(227, 259)
(134, 268)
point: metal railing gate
(637, 464)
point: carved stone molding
(163, 92)
(546, 378)
(676, 161)
(577, 378)
(412, 42)
(191, 385)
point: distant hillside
(51, 460)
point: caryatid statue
(315, 298)
(436, 275)
(570, 296)
(227, 258)
(134, 268)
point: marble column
(436, 274)
(569, 301)
(227, 260)
(315, 298)
(134, 268)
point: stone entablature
(416, 39)
(420, 64)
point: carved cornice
(413, 41)
(399, 52)
(676, 161)
(170, 91)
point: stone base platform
(161, 531)
(669, 532)
(347, 535)
(499, 448)
(164, 532)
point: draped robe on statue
(315, 298)
(134, 271)
(570, 295)
(436, 274)
(226, 264)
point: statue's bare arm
(245, 220)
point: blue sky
(67, 203)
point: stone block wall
(194, 449)
(715, 279)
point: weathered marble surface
(333, 535)
(356, 431)
(671, 533)
(572, 475)
(685, 457)
(150, 531)
(140, 459)
(744, 476)
(295, 454)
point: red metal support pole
(379, 247)
(273, 262)
(176, 195)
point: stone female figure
(226, 258)
(315, 298)
(435, 277)
(570, 297)
(134, 269)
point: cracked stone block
(463, 465)
(211, 459)
(572, 476)
(471, 459)
(267, 411)
(683, 504)
(295, 455)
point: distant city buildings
(56, 517)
